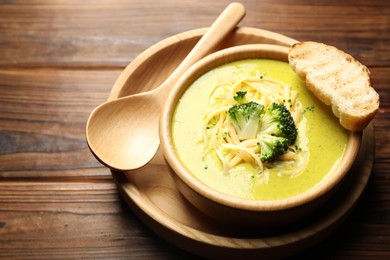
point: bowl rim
(121, 81)
(270, 51)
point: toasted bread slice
(337, 79)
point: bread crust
(338, 80)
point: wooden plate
(153, 197)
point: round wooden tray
(151, 193)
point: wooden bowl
(237, 211)
(153, 197)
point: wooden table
(59, 59)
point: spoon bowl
(123, 133)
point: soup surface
(319, 134)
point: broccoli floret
(271, 147)
(245, 119)
(239, 97)
(278, 121)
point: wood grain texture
(110, 33)
(73, 220)
(43, 113)
(60, 59)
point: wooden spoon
(123, 133)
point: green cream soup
(324, 139)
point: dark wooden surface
(59, 59)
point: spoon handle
(223, 25)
